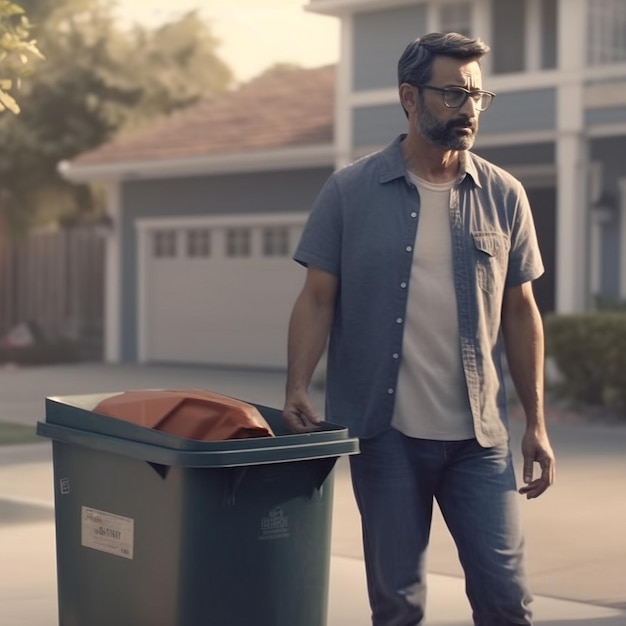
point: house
(208, 205)
(206, 209)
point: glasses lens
(454, 98)
(483, 101)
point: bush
(588, 350)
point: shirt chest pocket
(491, 253)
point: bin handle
(159, 468)
(233, 478)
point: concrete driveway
(575, 533)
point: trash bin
(157, 530)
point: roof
(287, 108)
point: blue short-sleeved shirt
(362, 229)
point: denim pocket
(491, 253)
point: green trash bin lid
(71, 420)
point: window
(549, 34)
(164, 244)
(607, 31)
(509, 36)
(199, 243)
(456, 17)
(276, 241)
(238, 242)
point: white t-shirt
(432, 400)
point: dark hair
(416, 63)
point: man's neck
(430, 162)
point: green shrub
(17, 433)
(589, 351)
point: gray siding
(510, 113)
(520, 111)
(380, 37)
(377, 125)
(235, 194)
(524, 154)
(606, 115)
(610, 115)
(613, 81)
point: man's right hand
(299, 414)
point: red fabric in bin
(189, 413)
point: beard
(446, 134)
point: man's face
(453, 129)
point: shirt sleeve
(525, 263)
(320, 243)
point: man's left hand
(536, 448)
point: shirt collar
(468, 168)
(393, 165)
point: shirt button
(399, 320)
(409, 248)
(403, 285)
(390, 391)
(414, 214)
(395, 355)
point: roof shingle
(286, 108)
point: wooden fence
(55, 280)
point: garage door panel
(219, 310)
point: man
(420, 260)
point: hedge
(589, 351)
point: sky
(254, 34)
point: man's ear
(408, 97)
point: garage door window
(276, 241)
(199, 243)
(238, 242)
(164, 244)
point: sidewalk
(28, 576)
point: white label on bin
(64, 485)
(275, 525)
(107, 532)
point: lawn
(17, 433)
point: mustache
(461, 122)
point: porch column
(344, 111)
(572, 275)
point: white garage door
(218, 291)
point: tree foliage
(98, 79)
(18, 52)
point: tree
(98, 80)
(177, 67)
(17, 52)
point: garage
(217, 290)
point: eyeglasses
(456, 97)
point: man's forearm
(308, 331)
(522, 329)
(524, 342)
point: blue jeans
(395, 480)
